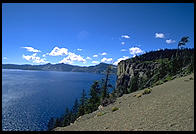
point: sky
(86, 34)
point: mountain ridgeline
(153, 68)
(100, 68)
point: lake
(31, 98)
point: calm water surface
(30, 98)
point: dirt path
(169, 106)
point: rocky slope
(169, 106)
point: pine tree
(83, 102)
(66, 120)
(75, 109)
(105, 84)
(57, 122)
(94, 99)
(51, 124)
(133, 84)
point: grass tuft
(139, 95)
(100, 113)
(147, 91)
(114, 109)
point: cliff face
(127, 70)
(152, 68)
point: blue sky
(89, 33)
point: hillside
(100, 68)
(170, 106)
(152, 68)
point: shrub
(168, 78)
(114, 109)
(100, 113)
(139, 95)
(147, 91)
(191, 78)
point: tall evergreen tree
(105, 84)
(183, 41)
(83, 102)
(94, 99)
(66, 120)
(51, 123)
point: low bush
(139, 95)
(100, 113)
(147, 91)
(114, 109)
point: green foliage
(147, 91)
(114, 109)
(168, 78)
(83, 104)
(183, 41)
(133, 84)
(94, 100)
(101, 113)
(104, 93)
(139, 95)
(51, 124)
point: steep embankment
(169, 106)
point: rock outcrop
(144, 70)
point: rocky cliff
(145, 70)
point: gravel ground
(169, 107)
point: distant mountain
(100, 68)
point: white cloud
(123, 58)
(79, 49)
(106, 60)
(88, 58)
(72, 57)
(34, 58)
(30, 49)
(135, 50)
(170, 41)
(95, 55)
(123, 50)
(95, 62)
(44, 55)
(125, 36)
(159, 35)
(5, 58)
(58, 51)
(122, 43)
(104, 53)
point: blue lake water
(31, 98)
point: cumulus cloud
(106, 60)
(104, 53)
(95, 55)
(135, 50)
(170, 41)
(95, 62)
(159, 35)
(58, 51)
(79, 49)
(122, 43)
(30, 49)
(123, 50)
(88, 58)
(120, 59)
(34, 58)
(72, 57)
(125, 36)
